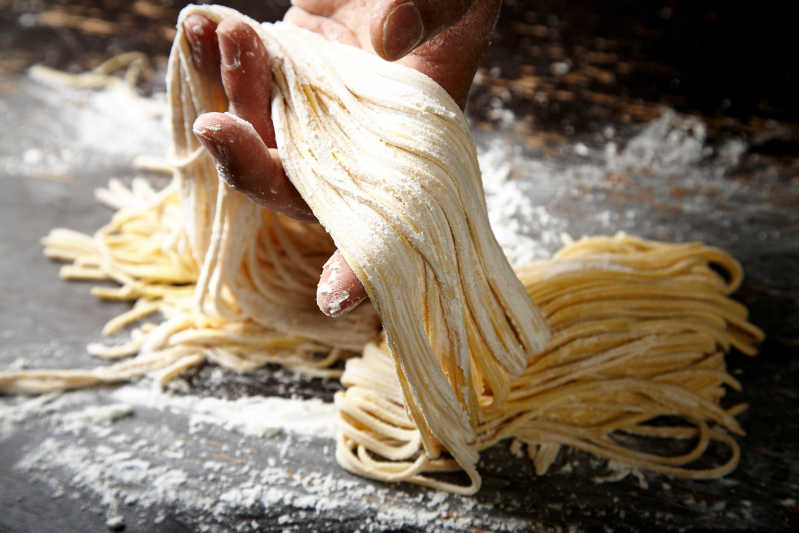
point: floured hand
(442, 39)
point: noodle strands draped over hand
(384, 158)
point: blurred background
(565, 68)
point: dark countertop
(576, 98)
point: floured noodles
(384, 158)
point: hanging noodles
(639, 328)
(384, 158)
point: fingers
(452, 56)
(399, 26)
(323, 8)
(246, 76)
(201, 34)
(248, 165)
(243, 148)
(243, 141)
(328, 27)
(339, 290)
(232, 56)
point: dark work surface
(575, 77)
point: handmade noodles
(639, 330)
(384, 158)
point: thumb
(339, 290)
(399, 26)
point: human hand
(442, 39)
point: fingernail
(334, 302)
(218, 151)
(338, 302)
(205, 136)
(229, 50)
(402, 31)
(190, 31)
(332, 297)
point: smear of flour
(256, 415)
(94, 415)
(90, 127)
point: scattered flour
(640, 186)
(219, 479)
(526, 231)
(256, 415)
(92, 127)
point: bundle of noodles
(639, 328)
(384, 158)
